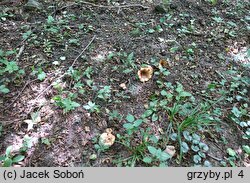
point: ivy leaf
(203, 146)
(184, 147)
(197, 159)
(195, 148)
(187, 135)
(173, 136)
(207, 164)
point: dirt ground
(131, 27)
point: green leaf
(2, 158)
(164, 93)
(50, 19)
(11, 67)
(152, 150)
(196, 137)
(130, 118)
(202, 154)
(45, 141)
(154, 117)
(195, 148)
(207, 164)
(151, 31)
(147, 159)
(3, 89)
(8, 151)
(203, 146)
(197, 159)
(184, 147)
(7, 162)
(128, 126)
(187, 135)
(173, 136)
(130, 56)
(246, 148)
(164, 156)
(27, 141)
(236, 112)
(147, 113)
(41, 76)
(18, 158)
(185, 94)
(138, 122)
(231, 152)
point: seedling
(8, 159)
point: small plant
(92, 107)
(8, 159)
(232, 157)
(66, 103)
(27, 143)
(156, 155)
(114, 115)
(132, 124)
(3, 89)
(104, 93)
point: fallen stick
(18, 95)
(102, 6)
(72, 65)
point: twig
(72, 65)
(20, 52)
(102, 6)
(215, 158)
(119, 6)
(86, 47)
(18, 94)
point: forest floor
(69, 71)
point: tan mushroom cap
(107, 139)
(145, 73)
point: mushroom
(163, 64)
(145, 73)
(107, 139)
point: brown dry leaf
(145, 73)
(170, 150)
